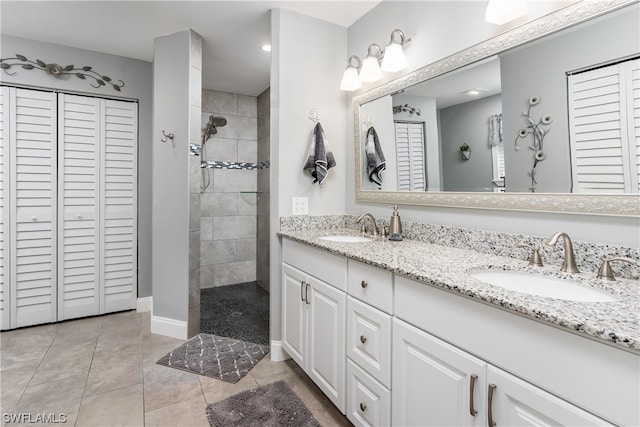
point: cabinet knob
(363, 407)
(34, 219)
(364, 284)
(79, 216)
(363, 339)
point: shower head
(217, 121)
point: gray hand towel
(320, 158)
(376, 163)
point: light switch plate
(299, 206)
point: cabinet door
(326, 356)
(78, 206)
(515, 402)
(431, 381)
(4, 208)
(293, 313)
(118, 222)
(33, 207)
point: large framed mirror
(543, 117)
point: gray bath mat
(217, 357)
(272, 405)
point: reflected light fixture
(499, 12)
(370, 71)
(266, 47)
(350, 80)
(392, 58)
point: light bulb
(350, 80)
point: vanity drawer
(327, 267)
(368, 401)
(369, 339)
(371, 285)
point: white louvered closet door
(78, 206)
(4, 209)
(118, 225)
(410, 156)
(32, 201)
(604, 124)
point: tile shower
(230, 207)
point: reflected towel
(376, 163)
(320, 158)
(495, 129)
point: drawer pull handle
(472, 386)
(364, 284)
(363, 339)
(492, 388)
(363, 407)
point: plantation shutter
(603, 122)
(78, 211)
(119, 203)
(32, 146)
(410, 156)
(4, 207)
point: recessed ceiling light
(473, 92)
(266, 47)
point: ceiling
(232, 31)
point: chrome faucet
(569, 265)
(374, 227)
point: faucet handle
(605, 272)
(535, 260)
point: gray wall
(264, 149)
(468, 123)
(540, 70)
(138, 79)
(229, 204)
(174, 109)
(439, 29)
(307, 61)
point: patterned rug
(217, 357)
(272, 405)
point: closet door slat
(33, 208)
(79, 207)
(4, 209)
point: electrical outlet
(299, 206)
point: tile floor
(101, 371)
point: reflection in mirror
(582, 135)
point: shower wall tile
(219, 204)
(222, 149)
(235, 272)
(263, 181)
(194, 250)
(263, 226)
(233, 181)
(195, 87)
(194, 287)
(195, 135)
(234, 227)
(194, 212)
(247, 151)
(194, 174)
(239, 128)
(219, 252)
(246, 250)
(220, 103)
(247, 106)
(247, 203)
(206, 228)
(206, 276)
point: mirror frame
(591, 204)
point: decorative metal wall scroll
(56, 70)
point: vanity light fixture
(371, 71)
(392, 58)
(350, 80)
(500, 12)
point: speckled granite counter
(616, 323)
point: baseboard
(277, 353)
(169, 327)
(144, 304)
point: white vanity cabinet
(314, 316)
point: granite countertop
(616, 323)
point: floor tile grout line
(84, 390)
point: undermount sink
(545, 286)
(346, 239)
